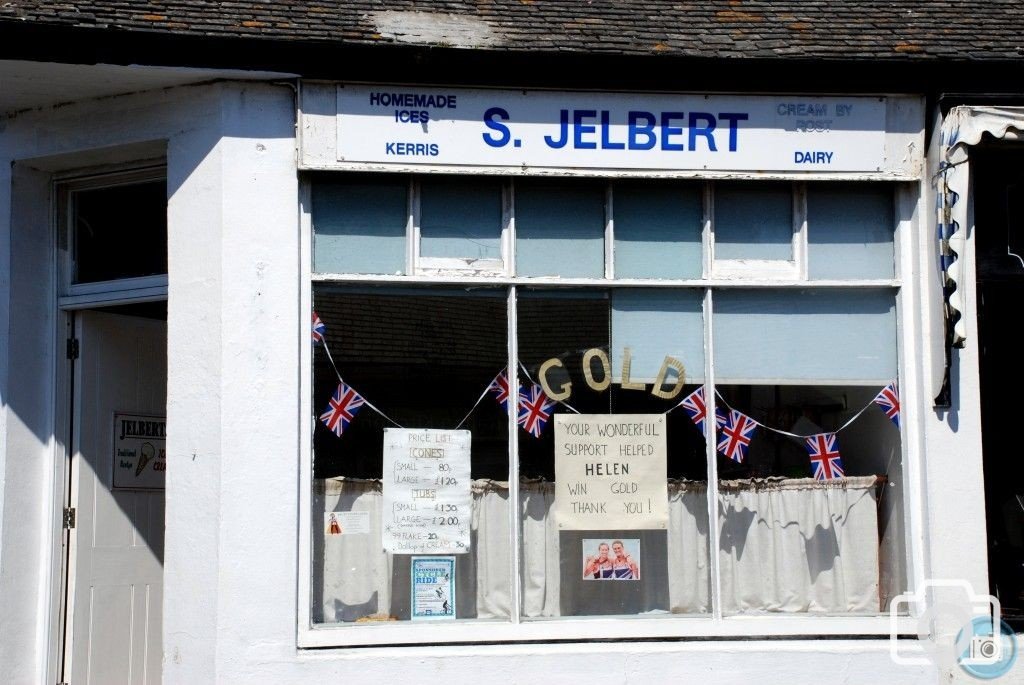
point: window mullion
(711, 451)
(800, 230)
(508, 228)
(909, 381)
(515, 520)
(609, 233)
(307, 419)
(708, 232)
(413, 229)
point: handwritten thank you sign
(610, 472)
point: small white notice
(610, 472)
(427, 497)
(140, 452)
(346, 523)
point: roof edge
(403, 63)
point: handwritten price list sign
(610, 471)
(427, 495)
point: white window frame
(456, 266)
(782, 269)
(102, 293)
(907, 217)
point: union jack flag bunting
(318, 329)
(534, 410)
(499, 386)
(734, 435)
(697, 408)
(344, 405)
(825, 460)
(889, 400)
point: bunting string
(734, 429)
(534, 405)
(382, 414)
(794, 435)
(320, 334)
(823, 448)
(853, 418)
(475, 405)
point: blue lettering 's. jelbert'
(646, 130)
(491, 117)
(606, 142)
(707, 130)
(668, 131)
(734, 119)
(579, 129)
(563, 118)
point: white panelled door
(116, 565)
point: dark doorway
(998, 186)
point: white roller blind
(460, 218)
(653, 324)
(359, 226)
(559, 230)
(805, 336)
(657, 230)
(850, 231)
(753, 221)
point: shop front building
(319, 373)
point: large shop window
(439, 495)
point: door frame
(70, 299)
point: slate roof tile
(851, 30)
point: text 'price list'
(427, 491)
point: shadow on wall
(189, 125)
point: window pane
(805, 336)
(564, 572)
(657, 231)
(108, 219)
(656, 323)
(850, 231)
(422, 358)
(359, 225)
(808, 526)
(559, 230)
(797, 544)
(460, 217)
(753, 221)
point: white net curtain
(793, 545)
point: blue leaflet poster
(433, 588)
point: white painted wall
(950, 461)
(27, 441)
(191, 122)
(235, 331)
(233, 317)
(191, 545)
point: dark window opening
(120, 231)
(420, 358)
